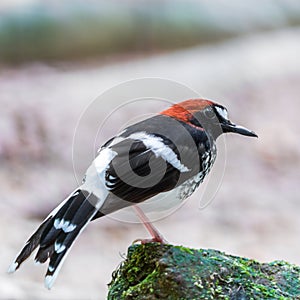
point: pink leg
(156, 236)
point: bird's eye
(209, 113)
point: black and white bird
(168, 154)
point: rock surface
(155, 271)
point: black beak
(230, 127)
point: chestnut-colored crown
(184, 110)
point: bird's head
(206, 115)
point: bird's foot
(156, 236)
(157, 239)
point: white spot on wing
(157, 146)
(103, 159)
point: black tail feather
(65, 240)
(50, 233)
(74, 207)
(31, 244)
(44, 253)
(58, 232)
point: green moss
(155, 271)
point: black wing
(138, 173)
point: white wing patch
(102, 161)
(157, 146)
(95, 176)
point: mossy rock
(155, 271)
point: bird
(165, 156)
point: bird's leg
(156, 236)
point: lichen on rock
(159, 271)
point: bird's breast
(207, 160)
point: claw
(158, 239)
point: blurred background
(57, 56)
